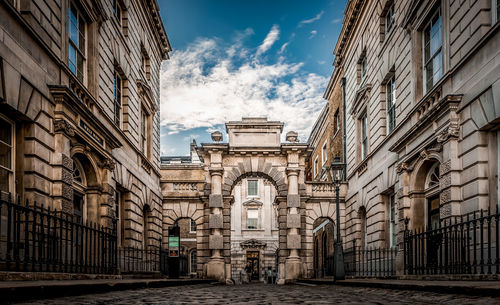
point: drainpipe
(342, 83)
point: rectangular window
(315, 168)
(194, 261)
(324, 154)
(390, 92)
(392, 221)
(252, 219)
(144, 132)
(364, 137)
(389, 19)
(336, 122)
(432, 44)
(363, 68)
(117, 10)
(6, 156)
(192, 226)
(117, 97)
(252, 188)
(76, 43)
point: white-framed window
(192, 226)
(324, 153)
(7, 152)
(362, 66)
(315, 167)
(253, 188)
(77, 42)
(389, 19)
(144, 132)
(193, 260)
(117, 97)
(364, 136)
(336, 122)
(390, 98)
(252, 219)
(495, 12)
(432, 50)
(392, 221)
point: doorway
(253, 262)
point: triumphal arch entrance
(249, 203)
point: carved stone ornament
(108, 164)
(424, 154)
(216, 136)
(452, 131)
(292, 136)
(253, 244)
(402, 166)
(64, 126)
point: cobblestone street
(269, 294)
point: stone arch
(245, 170)
(90, 195)
(184, 209)
(323, 239)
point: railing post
(489, 240)
(481, 236)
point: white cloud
(270, 39)
(313, 33)
(315, 18)
(283, 47)
(336, 20)
(205, 86)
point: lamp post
(337, 175)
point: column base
(216, 270)
(293, 268)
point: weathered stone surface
(215, 221)
(215, 201)
(293, 241)
(216, 242)
(293, 201)
(293, 221)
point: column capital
(216, 171)
(292, 171)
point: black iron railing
(370, 262)
(134, 260)
(461, 245)
(34, 238)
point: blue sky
(244, 58)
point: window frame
(392, 221)
(390, 104)
(364, 135)
(391, 11)
(256, 219)
(144, 131)
(324, 152)
(362, 66)
(195, 265)
(80, 51)
(439, 51)
(315, 167)
(191, 222)
(336, 119)
(12, 145)
(256, 188)
(117, 99)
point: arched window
(432, 179)
(363, 237)
(193, 261)
(79, 189)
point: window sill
(252, 230)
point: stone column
(293, 242)
(215, 266)
(63, 167)
(403, 211)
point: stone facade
(212, 189)
(79, 93)
(420, 121)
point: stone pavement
(269, 294)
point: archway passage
(187, 247)
(323, 240)
(425, 196)
(254, 229)
(86, 192)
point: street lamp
(337, 175)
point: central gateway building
(248, 203)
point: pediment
(360, 99)
(252, 202)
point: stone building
(250, 201)
(422, 97)
(79, 110)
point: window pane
(73, 29)
(5, 156)
(5, 132)
(252, 187)
(436, 36)
(436, 67)
(72, 58)
(79, 66)
(4, 180)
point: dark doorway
(253, 261)
(435, 236)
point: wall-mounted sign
(91, 133)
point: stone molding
(64, 127)
(253, 244)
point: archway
(324, 237)
(425, 205)
(254, 227)
(86, 191)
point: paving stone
(269, 294)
